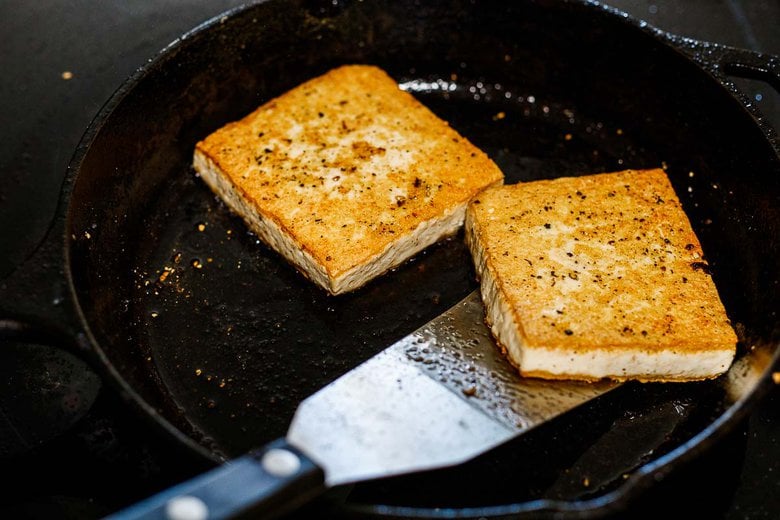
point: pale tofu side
(597, 277)
(346, 175)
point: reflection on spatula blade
(438, 397)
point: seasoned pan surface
(222, 338)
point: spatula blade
(438, 397)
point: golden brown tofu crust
(605, 261)
(347, 163)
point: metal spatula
(438, 397)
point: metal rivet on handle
(280, 463)
(186, 507)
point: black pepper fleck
(701, 266)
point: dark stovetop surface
(71, 448)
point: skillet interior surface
(223, 338)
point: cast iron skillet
(215, 339)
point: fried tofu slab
(599, 276)
(346, 176)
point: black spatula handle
(273, 480)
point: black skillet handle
(266, 483)
(723, 60)
(743, 63)
(36, 303)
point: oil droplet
(567, 137)
(66, 75)
(619, 131)
(155, 314)
(201, 226)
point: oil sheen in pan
(238, 338)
